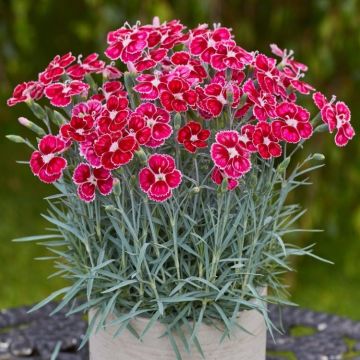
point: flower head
(60, 94)
(88, 180)
(32, 90)
(266, 143)
(46, 163)
(293, 124)
(193, 136)
(228, 154)
(160, 177)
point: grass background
(325, 34)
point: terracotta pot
(240, 346)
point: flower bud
(156, 21)
(283, 165)
(30, 125)
(196, 189)
(322, 128)
(109, 208)
(318, 157)
(16, 139)
(224, 185)
(37, 110)
(252, 180)
(117, 187)
(177, 121)
(141, 155)
(58, 119)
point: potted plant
(172, 165)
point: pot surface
(240, 346)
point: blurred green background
(325, 34)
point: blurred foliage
(325, 34)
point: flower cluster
(189, 91)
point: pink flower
(78, 128)
(90, 65)
(178, 96)
(230, 55)
(293, 124)
(88, 180)
(115, 150)
(336, 116)
(160, 177)
(204, 42)
(89, 108)
(218, 175)
(45, 162)
(193, 136)
(26, 91)
(266, 143)
(126, 44)
(111, 72)
(56, 68)
(267, 74)
(151, 125)
(212, 99)
(82, 121)
(61, 94)
(150, 60)
(264, 103)
(195, 72)
(246, 137)
(86, 149)
(228, 154)
(114, 115)
(288, 58)
(148, 86)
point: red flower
(230, 55)
(204, 42)
(88, 180)
(336, 116)
(60, 94)
(78, 128)
(126, 44)
(293, 124)
(90, 65)
(228, 154)
(114, 116)
(160, 177)
(45, 163)
(192, 136)
(150, 125)
(115, 150)
(26, 91)
(266, 143)
(218, 175)
(56, 68)
(178, 96)
(264, 103)
(82, 121)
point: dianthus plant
(172, 163)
